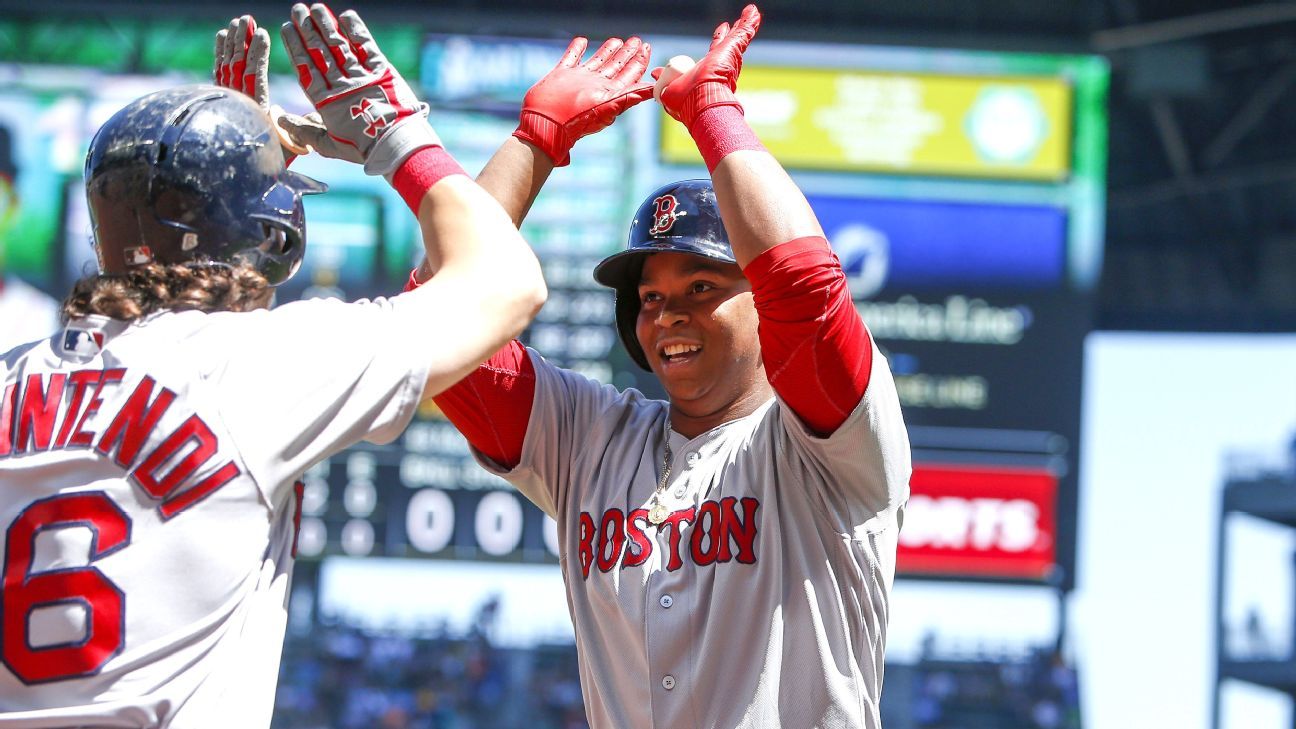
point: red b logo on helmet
(666, 214)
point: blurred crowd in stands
(342, 678)
(1035, 691)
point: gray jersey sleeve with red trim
(571, 415)
(865, 463)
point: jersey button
(694, 457)
(668, 682)
(666, 601)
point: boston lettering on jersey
(719, 534)
(30, 409)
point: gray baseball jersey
(761, 600)
(149, 508)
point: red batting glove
(713, 80)
(574, 100)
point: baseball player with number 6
(729, 553)
(149, 451)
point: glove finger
(218, 56)
(718, 35)
(656, 73)
(256, 79)
(610, 46)
(574, 51)
(617, 61)
(362, 43)
(230, 51)
(309, 77)
(339, 47)
(289, 135)
(314, 45)
(634, 95)
(239, 38)
(634, 70)
(746, 27)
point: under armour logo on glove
(361, 99)
(376, 120)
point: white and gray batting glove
(243, 64)
(369, 113)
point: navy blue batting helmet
(681, 217)
(195, 173)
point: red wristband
(420, 171)
(719, 130)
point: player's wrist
(420, 171)
(547, 135)
(706, 96)
(721, 130)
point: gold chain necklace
(657, 513)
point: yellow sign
(906, 123)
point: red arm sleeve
(492, 405)
(816, 348)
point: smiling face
(697, 327)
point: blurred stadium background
(1069, 223)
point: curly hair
(167, 287)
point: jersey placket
(668, 599)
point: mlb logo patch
(82, 342)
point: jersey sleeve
(864, 466)
(491, 407)
(816, 348)
(307, 379)
(567, 411)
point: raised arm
(816, 349)
(492, 406)
(488, 283)
(761, 206)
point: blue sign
(484, 72)
(904, 245)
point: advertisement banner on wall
(970, 520)
(910, 123)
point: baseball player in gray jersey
(728, 554)
(149, 450)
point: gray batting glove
(362, 101)
(243, 64)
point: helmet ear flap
(627, 316)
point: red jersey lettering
(636, 538)
(134, 421)
(38, 412)
(7, 407)
(80, 437)
(78, 383)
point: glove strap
(547, 134)
(420, 171)
(719, 130)
(706, 96)
(405, 138)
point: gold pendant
(657, 514)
